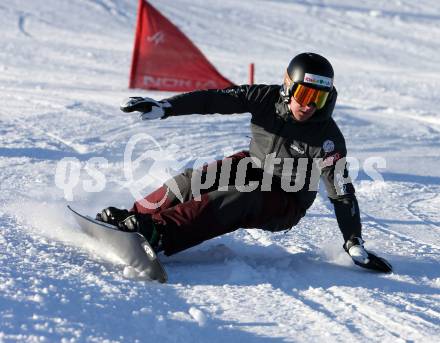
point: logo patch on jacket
(328, 146)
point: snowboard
(131, 247)
(376, 263)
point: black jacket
(305, 150)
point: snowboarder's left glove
(363, 258)
(150, 108)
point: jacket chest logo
(297, 149)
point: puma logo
(297, 149)
(157, 38)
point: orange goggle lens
(306, 95)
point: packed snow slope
(64, 70)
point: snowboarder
(294, 139)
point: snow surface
(63, 72)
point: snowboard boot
(366, 259)
(355, 248)
(112, 215)
(143, 224)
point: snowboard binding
(112, 215)
(132, 222)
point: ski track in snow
(63, 70)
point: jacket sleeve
(231, 100)
(341, 193)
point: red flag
(165, 59)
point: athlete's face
(301, 113)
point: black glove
(365, 259)
(150, 108)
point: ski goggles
(305, 95)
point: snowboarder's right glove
(149, 108)
(363, 258)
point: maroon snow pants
(220, 209)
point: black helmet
(309, 69)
